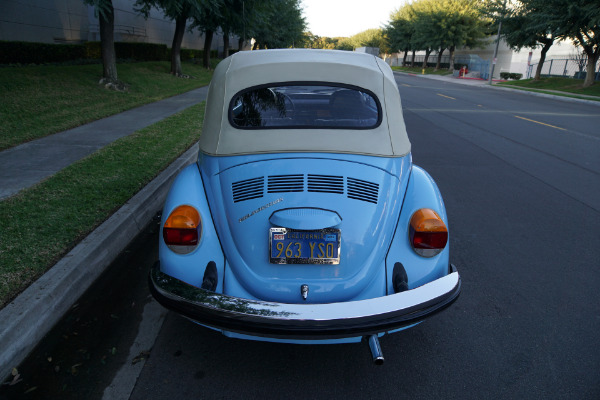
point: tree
(579, 20)
(525, 26)
(371, 38)
(533, 23)
(179, 11)
(282, 25)
(427, 33)
(343, 43)
(207, 20)
(399, 31)
(436, 24)
(106, 19)
(465, 25)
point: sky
(347, 17)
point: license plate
(290, 246)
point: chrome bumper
(304, 321)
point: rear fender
(422, 192)
(188, 189)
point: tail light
(182, 229)
(428, 233)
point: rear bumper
(304, 321)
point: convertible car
(304, 219)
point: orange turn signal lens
(182, 228)
(428, 233)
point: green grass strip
(568, 87)
(40, 225)
(554, 93)
(419, 70)
(37, 101)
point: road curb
(28, 318)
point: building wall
(504, 56)
(507, 60)
(516, 61)
(44, 21)
(72, 21)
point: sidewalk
(27, 319)
(29, 163)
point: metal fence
(568, 68)
(474, 63)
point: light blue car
(304, 219)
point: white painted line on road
(124, 381)
(541, 123)
(538, 113)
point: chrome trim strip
(304, 321)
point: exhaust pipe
(375, 350)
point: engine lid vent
(248, 189)
(363, 190)
(326, 184)
(285, 183)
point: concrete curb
(27, 319)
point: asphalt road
(520, 176)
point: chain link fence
(478, 67)
(567, 68)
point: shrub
(39, 53)
(510, 75)
(142, 51)
(189, 54)
(43, 53)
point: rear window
(302, 105)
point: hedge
(510, 75)
(43, 53)
(130, 51)
(39, 53)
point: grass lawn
(40, 100)
(41, 224)
(419, 70)
(545, 85)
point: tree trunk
(107, 43)
(176, 45)
(404, 58)
(451, 63)
(439, 60)
(225, 45)
(590, 69)
(538, 70)
(427, 53)
(208, 36)
(412, 62)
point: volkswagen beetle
(304, 219)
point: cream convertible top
(252, 68)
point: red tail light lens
(182, 229)
(180, 237)
(428, 233)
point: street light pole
(495, 53)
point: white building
(507, 60)
(72, 21)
